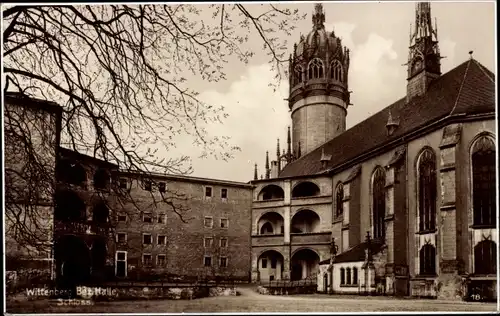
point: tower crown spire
(318, 17)
(423, 22)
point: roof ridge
(483, 70)
(461, 87)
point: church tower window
(336, 70)
(316, 69)
(428, 260)
(427, 187)
(485, 257)
(339, 209)
(484, 182)
(378, 203)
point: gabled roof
(467, 89)
(356, 253)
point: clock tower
(424, 59)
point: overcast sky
(377, 35)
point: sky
(377, 35)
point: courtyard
(250, 301)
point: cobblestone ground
(250, 301)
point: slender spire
(289, 145)
(278, 158)
(268, 170)
(423, 21)
(318, 17)
(255, 176)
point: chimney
(274, 169)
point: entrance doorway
(121, 264)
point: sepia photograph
(249, 157)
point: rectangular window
(264, 263)
(162, 218)
(147, 259)
(208, 261)
(161, 260)
(208, 242)
(162, 187)
(223, 242)
(147, 218)
(123, 183)
(223, 262)
(162, 239)
(121, 237)
(224, 223)
(121, 255)
(122, 217)
(208, 191)
(209, 222)
(223, 193)
(146, 239)
(147, 185)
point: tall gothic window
(348, 276)
(485, 257)
(336, 70)
(428, 260)
(378, 202)
(339, 209)
(427, 187)
(483, 179)
(298, 75)
(316, 69)
(342, 276)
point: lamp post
(333, 252)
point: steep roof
(467, 89)
(356, 253)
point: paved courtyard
(250, 301)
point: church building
(403, 203)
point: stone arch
(73, 260)
(304, 264)
(305, 221)
(275, 219)
(271, 192)
(305, 189)
(270, 264)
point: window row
(146, 185)
(147, 217)
(209, 193)
(74, 173)
(223, 261)
(316, 69)
(349, 276)
(208, 242)
(147, 260)
(147, 239)
(209, 222)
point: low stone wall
(286, 290)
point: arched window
(342, 276)
(348, 276)
(427, 187)
(485, 257)
(267, 228)
(339, 208)
(298, 74)
(316, 69)
(354, 275)
(336, 70)
(428, 260)
(378, 202)
(483, 179)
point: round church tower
(319, 95)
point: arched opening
(98, 253)
(339, 200)
(100, 213)
(271, 192)
(484, 183)
(305, 265)
(428, 260)
(305, 221)
(427, 191)
(336, 70)
(102, 179)
(69, 207)
(316, 69)
(72, 260)
(485, 257)
(271, 266)
(305, 189)
(378, 203)
(71, 172)
(271, 223)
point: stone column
(287, 202)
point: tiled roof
(467, 89)
(356, 253)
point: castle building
(403, 203)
